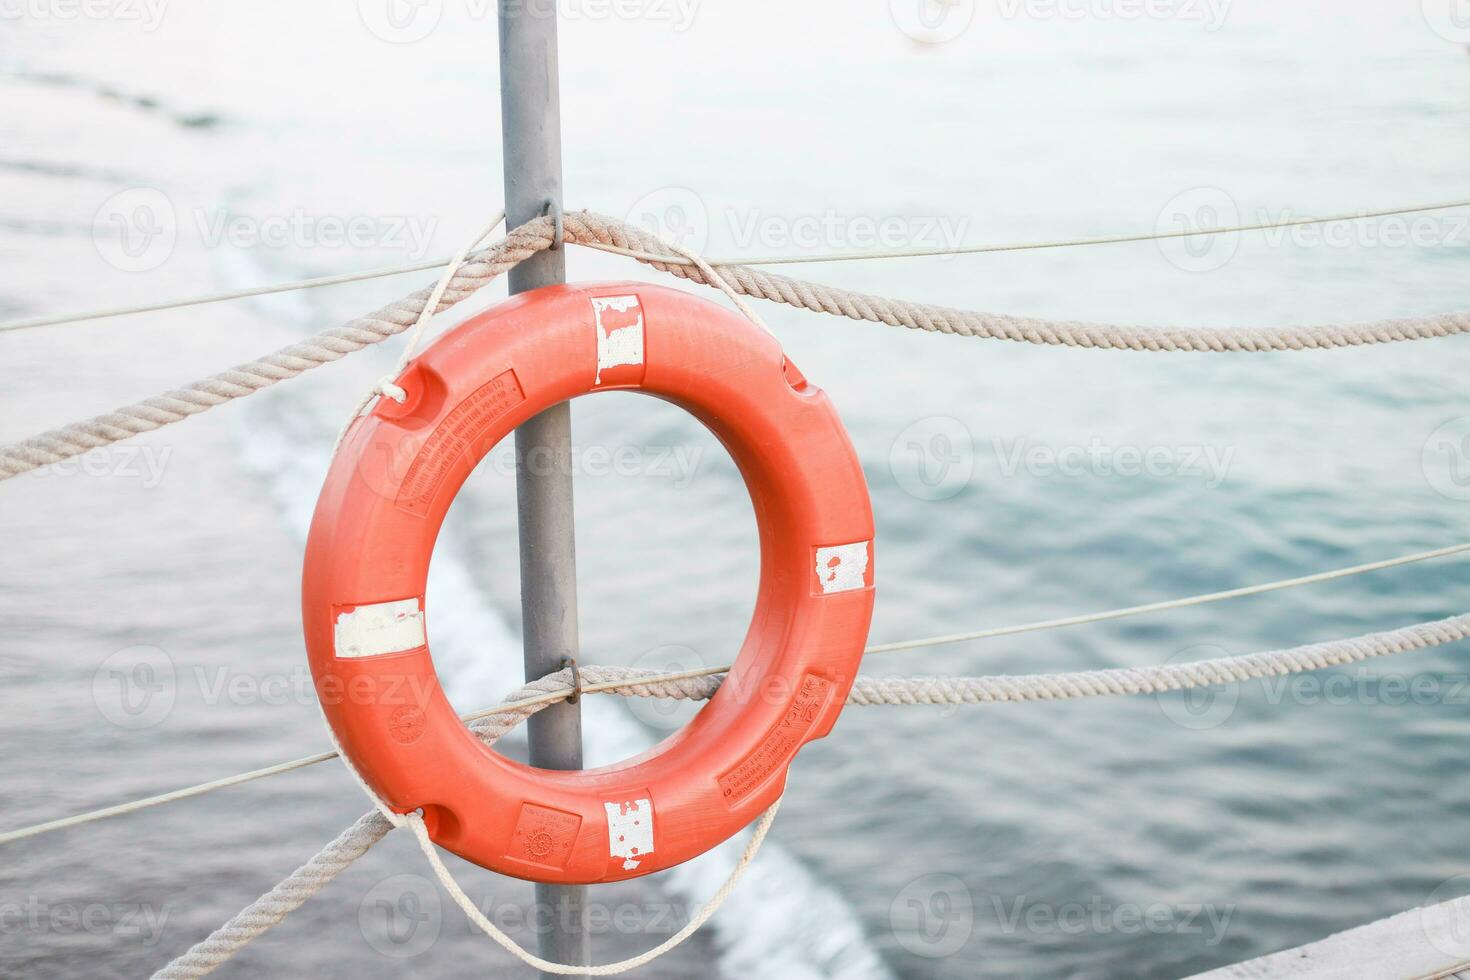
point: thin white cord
(1194, 600)
(174, 304)
(710, 275)
(913, 253)
(170, 797)
(65, 318)
(757, 837)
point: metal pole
(530, 111)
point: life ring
(386, 495)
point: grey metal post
(530, 109)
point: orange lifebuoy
(387, 493)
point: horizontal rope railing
(357, 839)
(593, 686)
(736, 278)
(586, 228)
(909, 253)
(820, 298)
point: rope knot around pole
(570, 664)
(552, 209)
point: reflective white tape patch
(843, 567)
(619, 331)
(629, 831)
(383, 627)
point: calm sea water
(149, 634)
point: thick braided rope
(869, 691)
(587, 228)
(301, 884)
(280, 901)
(311, 877)
(245, 379)
(1159, 678)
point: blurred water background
(149, 629)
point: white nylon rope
(175, 304)
(908, 253)
(1168, 604)
(757, 837)
(697, 685)
(586, 228)
(912, 253)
